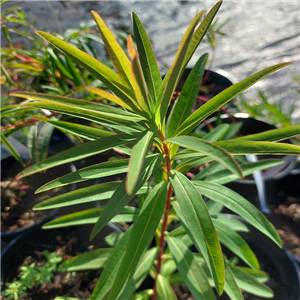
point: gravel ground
(258, 34)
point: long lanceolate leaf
(120, 198)
(91, 260)
(200, 225)
(222, 98)
(273, 135)
(140, 273)
(115, 52)
(137, 158)
(225, 176)
(239, 205)
(231, 287)
(235, 243)
(250, 284)
(209, 149)
(111, 268)
(170, 82)
(164, 289)
(90, 216)
(191, 271)
(141, 237)
(110, 97)
(79, 152)
(92, 172)
(148, 61)
(99, 70)
(87, 132)
(93, 193)
(186, 100)
(254, 147)
(72, 105)
(200, 32)
(12, 150)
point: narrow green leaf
(231, 287)
(111, 268)
(141, 237)
(77, 106)
(209, 149)
(138, 154)
(236, 244)
(240, 206)
(140, 88)
(115, 52)
(80, 152)
(225, 176)
(142, 295)
(11, 149)
(254, 147)
(201, 31)
(222, 98)
(87, 132)
(90, 216)
(74, 71)
(99, 70)
(228, 220)
(190, 163)
(249, 284)
(147, 57)
(91, 260)
(197, 219)
(58, 64)
(32, 144)
(13, 109)
(164, 289)
(93, 193)
(101, 170)
(184, 104)
(120, 198)
(260, 275)
(110, 97)
(170, 82)
(69, 298)
(215, 134)
(273, 135)
(43, 140)
(168, 267)
(191, 271)
(140, 273)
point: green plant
(31, 275)
(40, 68)
(159, 151)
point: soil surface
(64, 242)
(18, 198)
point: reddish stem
(165, 220)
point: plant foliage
(155, 141)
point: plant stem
(165, 220)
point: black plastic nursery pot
(278, 263)
(68, 242)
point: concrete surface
(258, 34)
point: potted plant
(158, 143)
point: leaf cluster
(159, 148)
